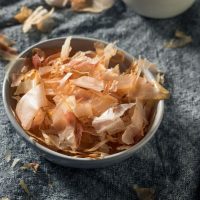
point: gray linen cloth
(170, 162)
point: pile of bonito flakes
(81, 104)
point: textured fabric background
(170, 162)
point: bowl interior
(53, 46)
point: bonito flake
(75, 103)
(94, 6)
(38, 18)
(7, 52)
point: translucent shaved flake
(125, 82)
(46, 25)
(70, 137)
(151, 89)
(58, 118)
(38, 119)
(64, 79)
(25, 86)
(24, 186)
(180, 40)
(97, 146)
(8, 156)
(78, 134)
(114, 127)
(89, 83)
(114, 86)
(51, 59)
(95, 6)
(29, 104)
(16, 79)
(82, 63)
(4, 40)
(39, 52)
(37, 16)
(38, 57)
(103, 102)
(136, 128)
(123, 147)
(5, 55)
(112, 113)
(50, 92)
(38, 12)
(32, 166)
(44, 70)
(111, 73)
(109, 51)
(105, 149)
(66, 48)
(144, 193)
(6, 51)
(15, 161)
(83, 110)
(110, 118)
(67, 137)
(44, 16)
(51, 140)
(99, 48)
(23, 14)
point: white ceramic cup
(159, 8)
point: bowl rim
(155, 124)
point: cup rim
(155, 124)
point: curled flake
(29, 105)
(39, 15)
(6, 51)
(95, 6)
(24, 186)
(66, 48)
(8, 156)
(23, 14)
(110, 120)
(136, 128)
(15, 161)
(180, 40)
(89, 83)
(33, 166)
(109, 51)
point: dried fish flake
(144, 193)
(32, 166)
(94, 6)
(46, 25)
(180, 40)
(38, 16)
(110, 120)
(66, 48)
(6, 51)
(8, 156)
(15, 161)
(23, 185)
(23, 14)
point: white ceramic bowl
(78, 43)
(159, 8)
